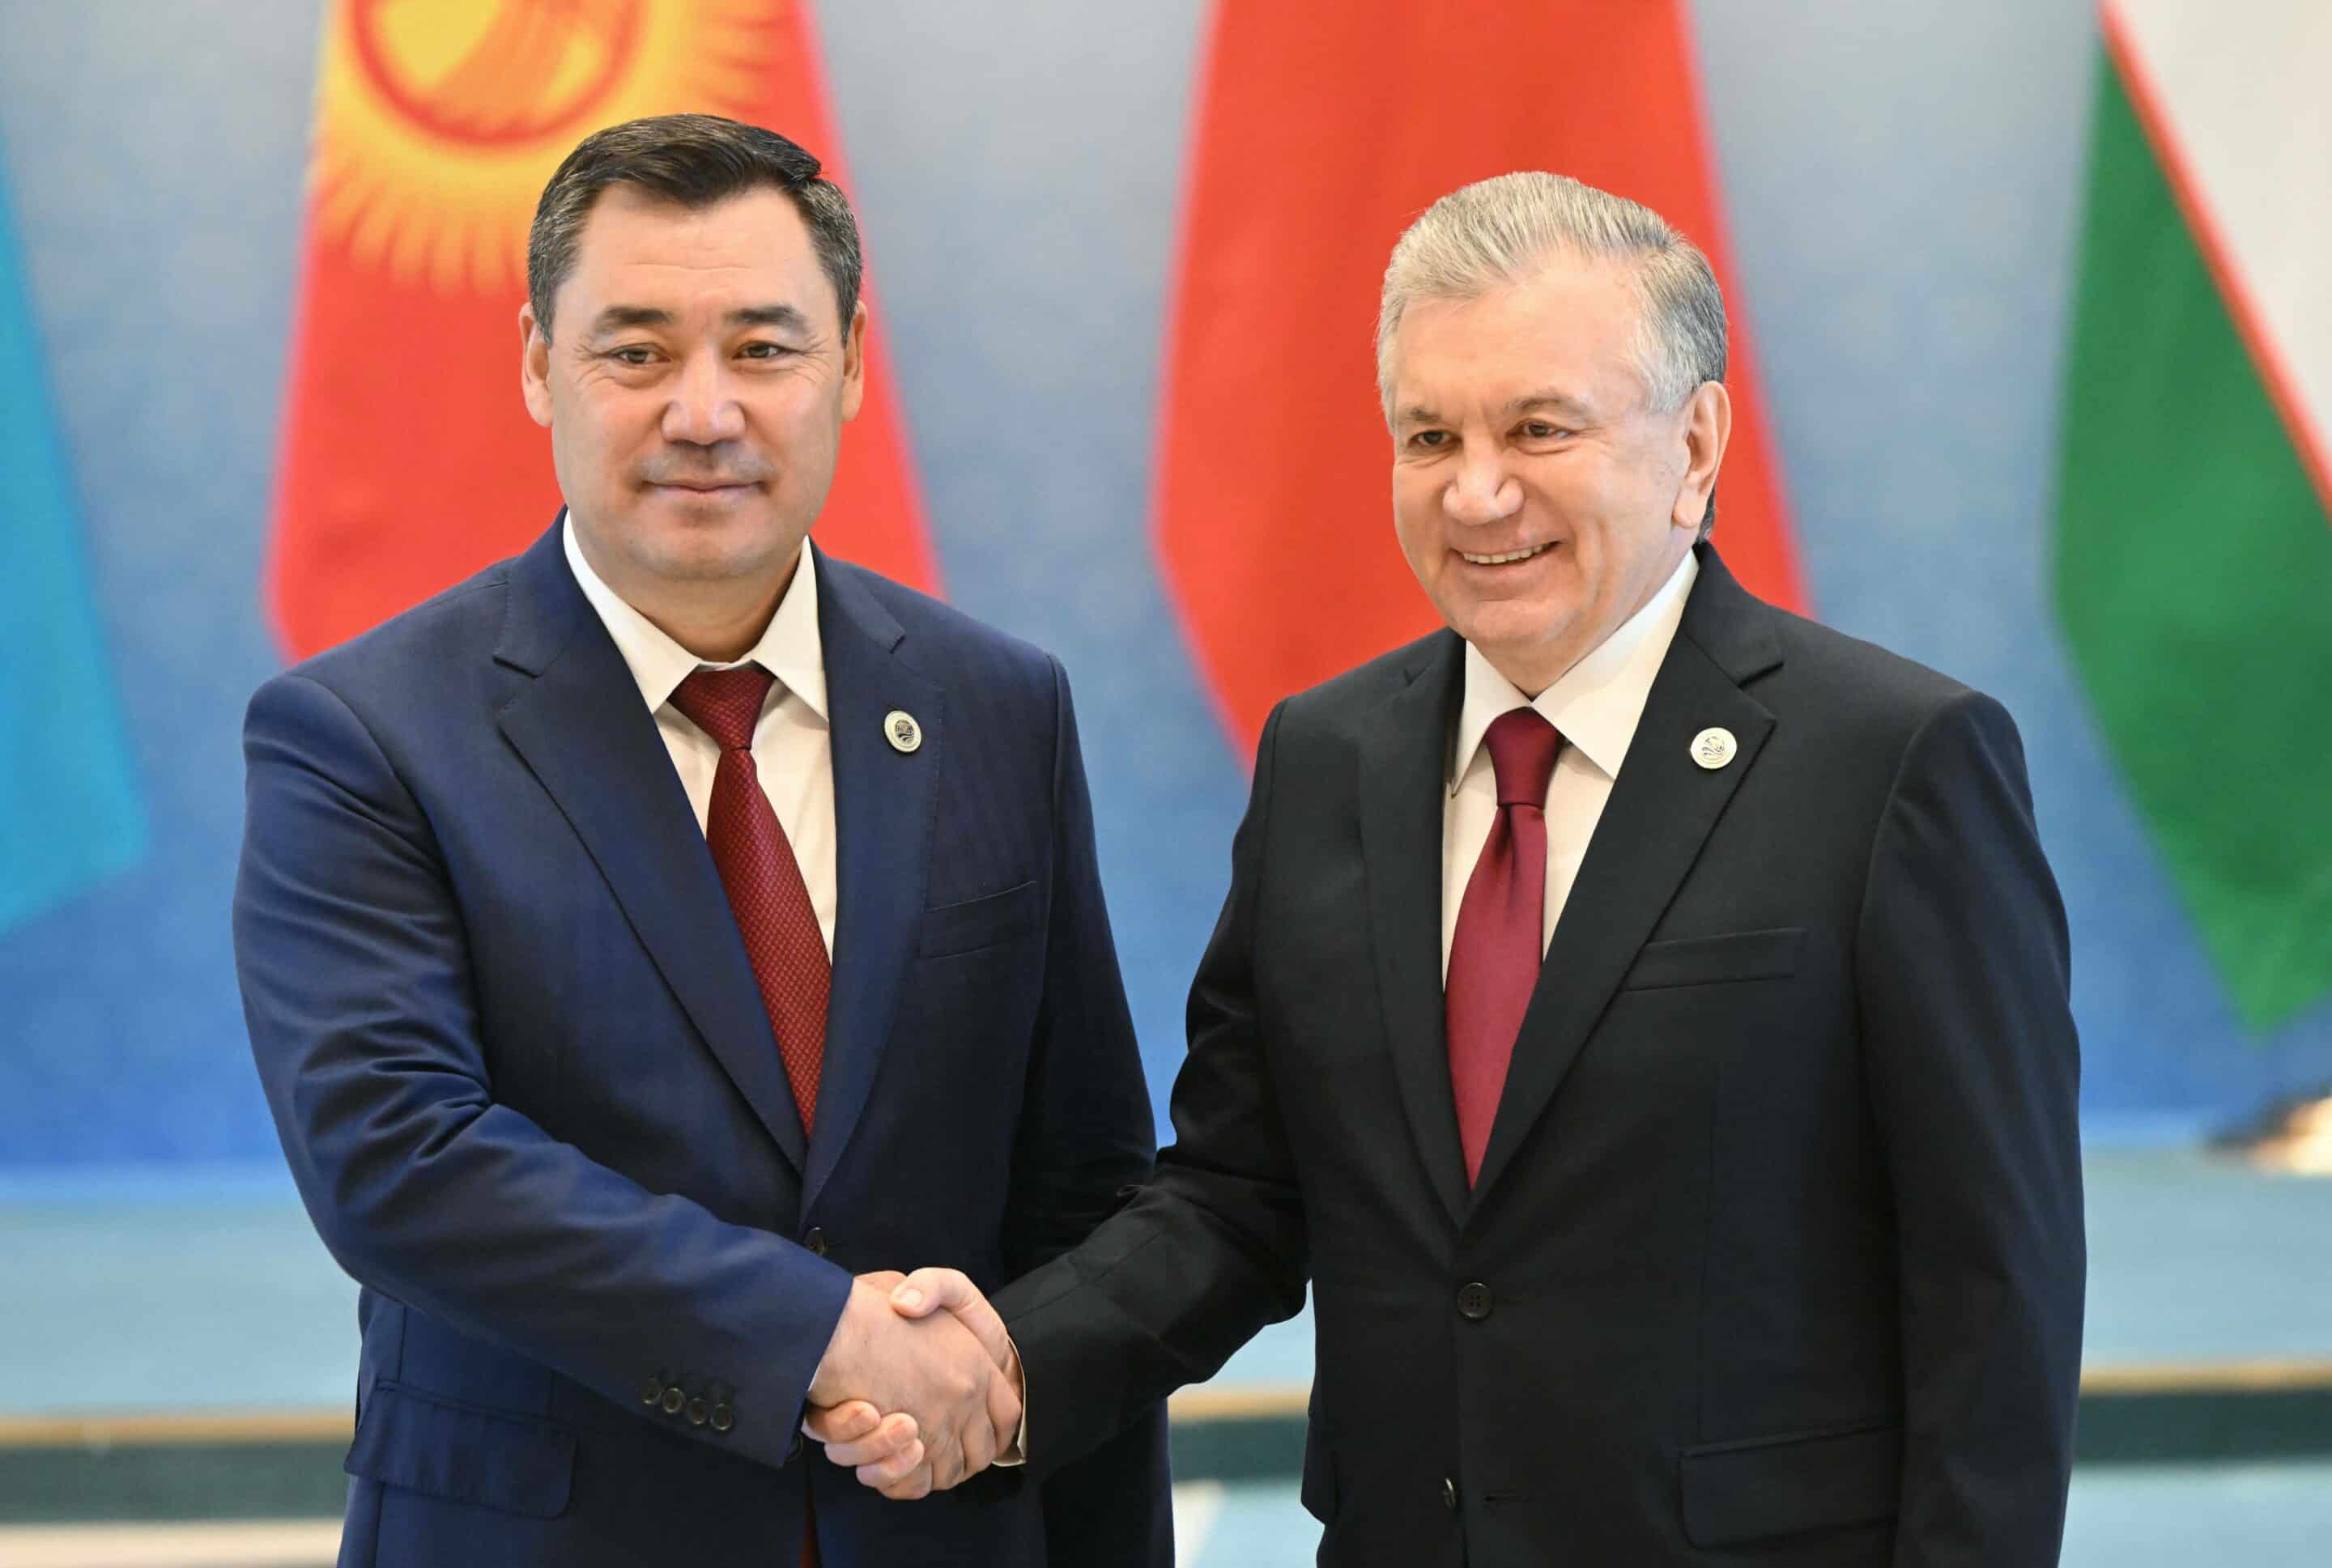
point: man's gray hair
(1499, 231)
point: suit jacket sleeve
(1962, 975)
(1206, 1252)
(1085, 1141)
(358, 989)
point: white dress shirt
(1596, 706)
(792, 751)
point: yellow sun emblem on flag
(439, 121)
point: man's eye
(1539, 430)
(765, 350)
(634, 356)
(1430, 439)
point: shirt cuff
(1018, 1453)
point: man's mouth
(1509, 556)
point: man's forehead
(644, 253)
(749, 232)
(1554, 339)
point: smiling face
(695, 383)
(1540, 498)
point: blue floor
(130, 1292)
(2164, 1516)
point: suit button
(816, 1240)
(723, 1417)
(1473, 1301)
(673, 1400)
(652, 1391)
(1448, 1494)
(697, 1411)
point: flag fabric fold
(1322, 128)
(71, 811)
(2194, 545)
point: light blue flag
(70, 810)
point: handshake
(913, 1398)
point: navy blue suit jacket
(514, 1050)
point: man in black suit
(1641, 1012)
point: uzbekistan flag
(1324, 127)
(408, 459)
(2194, 571)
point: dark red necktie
(762, 876)
(1493, 959)
(768, 896)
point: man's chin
(700, 550)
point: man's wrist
(1016, 1452)
(828, 1382)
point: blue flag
(70, 810)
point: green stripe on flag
(2194, 581)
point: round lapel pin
(900, 728)
(1712, 748)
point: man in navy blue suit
(650, 940)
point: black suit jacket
(1776, 1254)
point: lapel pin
(1712, 748)
(900, 728)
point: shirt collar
(1598, 701)
(789, 647)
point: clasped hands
(913, 1398)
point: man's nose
(703, 408)
(1482, 492)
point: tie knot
(1523, 747)
(725, 703)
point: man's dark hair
(696, 161)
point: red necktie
(1495, 957)
(768, 896)
(760, 876)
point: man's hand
(951, 1403)
(886, 1450)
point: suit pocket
(424, 1443)
(1788, 1485)
(1713, 960)
(976, 923)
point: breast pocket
(1715, 960)
(988, 921)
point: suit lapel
(1403, 779)
(1661, 810)
(595, 747)
(884, 803)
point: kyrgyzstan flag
(408, 459)
(1324, 127)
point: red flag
(409, 458)
(1324, 127)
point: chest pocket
(1714, 960)
(989, 921)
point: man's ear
(853, 362)
(534, 365)
(1707, 426)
